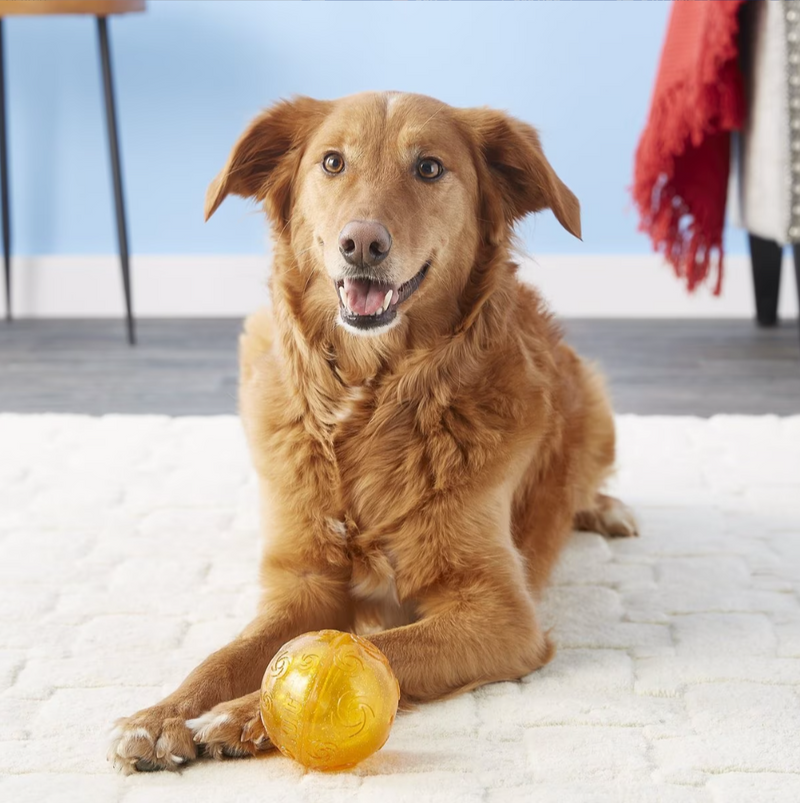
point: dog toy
(328, 699)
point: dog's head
(385, 199)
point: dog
(425, 441)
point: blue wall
(191, 74)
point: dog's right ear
(263, 162)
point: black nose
(364, 243)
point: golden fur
(417, 485)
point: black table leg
(796, 251)
(119, 200)
(4, 177)
(766, 256)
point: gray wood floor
(188, 367)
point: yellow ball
(328, 699)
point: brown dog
(425, 441)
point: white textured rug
(128, 552)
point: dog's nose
(364, 243)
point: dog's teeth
(388, 299)
(380, 311)
(341, 295)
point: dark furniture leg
(766, 256)
(796, 252)
(113, 141)
(4, 176)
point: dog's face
(386, 192)
(390, 196)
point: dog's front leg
(158, 738)
(472, 633)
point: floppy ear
(520, 180)
(263, 162)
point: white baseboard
(598, 286)
(163, 286)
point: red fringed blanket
(682, 162)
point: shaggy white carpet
(128, 552)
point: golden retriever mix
(424, 440)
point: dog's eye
(429, 169)
(333, 163)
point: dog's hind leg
(608, 517)
(594, 460)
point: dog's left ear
(263, 162)
(518, 178)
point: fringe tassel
(683, 158)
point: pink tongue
(363, 296)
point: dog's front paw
(153, 739)
(232, 730)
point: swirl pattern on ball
(280, 663)
(328, 699)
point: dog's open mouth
(367, 304)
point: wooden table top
(99, 8)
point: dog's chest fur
(396, 455)
(373, 582)
(371, 461)
(370, 508)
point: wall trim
(593, 286)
